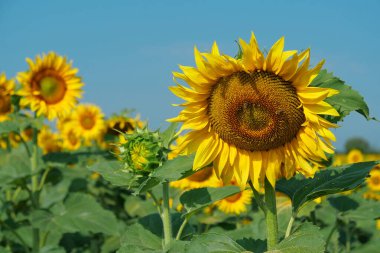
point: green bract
(143, 151)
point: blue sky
(127, 50)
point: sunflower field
(248, 164)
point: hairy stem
(290, 225)
(271, 215)
(165, 216)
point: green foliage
(328, 181)
(346, 101)
(196, 199)
(305, 238)
(213, 243)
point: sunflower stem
(271, 215)
(165, 215)
(34, 191)
(258, 198)
(290, 225)
(180, 231)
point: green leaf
(19, 122)
(213, 243)
(328, 181)
(79, 213)
(306, 238)
(168, 135)
(138, 239)
(172, 170)
(113, 173)
(196, 199)
(346, 101)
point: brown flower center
(234, 198)
(50, 85)
(5, 104)
(255, 112)
(87, 121)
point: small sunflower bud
(143, 151)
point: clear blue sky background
(126, 50)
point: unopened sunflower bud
(143, 151)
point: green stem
(165, 215)
(25, 144)
(330, 234)
(34, 195)
(43, 179)
(183, 225)
(348, 238)
(156, 202)
(258, 198)
(290, 225)
(271, 215)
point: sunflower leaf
(328, 181)
(169, 134)
(196, 199)
(346, 101)
(213, 243)
(306, 238)
(172, 170)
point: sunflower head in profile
(235, 204)
(256, 116)
(143, 151)
(50, 87)
(123, 123)
(355, 156)
(6, 91)
(202, 178)
(88, 122)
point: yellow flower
(71, 139)
(88, 122)
(355, 156)
(374, 180)
(378, 224)
(202, 178)
(49, 141)
(6, 91)
(124, 124)
(255, 117)
(372, 195)
(50, 87)
(237, 203)
(63, 122)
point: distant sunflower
(355, 156)
(202, 178)
(71, 139)
(88, 122)
(124, 124)
(6, 90)
(237, 203)
(50, 87)
(255, 116)
(49, 141)
(373, 181)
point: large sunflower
(50, 86)
(88, 122)
(6, 91)
(255, 116)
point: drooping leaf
(346, 101)
(196, 199)
(213, 243)
(306, 238)
(328, 181)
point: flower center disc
(255, 112)
(50, 85)
(5, 104)
(87, 121)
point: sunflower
(373, 181)
(202, 178)
(49, 141)
(124, 124)
(236, 204)
(50, 87)
(355, 156)
(88, 122)
(6, 90)
(255, 116)
(71, 139)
